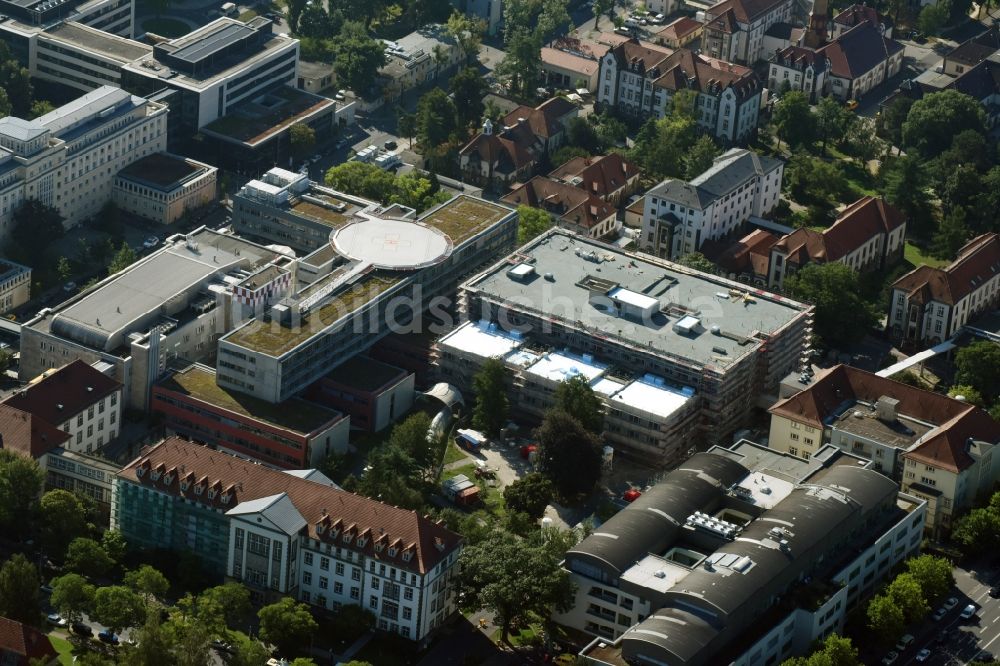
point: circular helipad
(391, 244)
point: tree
(813, 181)
(295, 9)
(64, 269)
(117, 607)
(16, 82)
(411, 435)
(601, 7)
(435, 118)
(361, 179)
(287, 624)
(697, 261)
(467, 31)
(19, 583)
(40, 107)
(978, 531)
(951, 235)
(935, 119)
(885, 618)
(468, 88)
(575, 397)
(933, 17)
(407, 125)
(114, 545)
(661, 145)
(905, 592)
(72, 595)
(582, 134)
(246, 650)
(531, 222)
(63, 518)
(862, 141)
(520, 70)
(35, 227)
(933, 574)
(967, 393)
(978, 365)
(842, 315)
(564, 154)
(302, 138)
(85, 556)
(890, 123)
(794, 119)
(701, 156)
(5, 107)
(906, 188)
(124, 258)
(514, 580)
(21, 481)
(148, 581)
(568, 453)
(492, 405)
(529, 495)
(231, 601)
(394, 477)
(358, 57)
(832, 120)
(833, 651)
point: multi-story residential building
(27, 434)
(289, 209)
(164, 187)
(290, 533)
(610, 177)
(497, 157)
(419, 57)
(172, 304)
(644, 416)
(290, 435)
(15, 285)
(710, 565)
(642, 315)
(929, 305)
(216, 68)
(856, 15)
(386, 272)
(372, 393)
(868, 235)
(79, 399)
(571, 207)
(801, 68)
(68, 158)
(639, 79)
(680, 32)
(971, 52)
(679, 216)
(938, 448)
(570, 63)
(734, 29)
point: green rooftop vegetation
(274, 339)
(294, 414)
(253, 122)
(464, 217)
(319, 214)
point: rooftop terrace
(162, 170)
(254, 122)
(575, 268)
(294, 414)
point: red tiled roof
(750, 254)
(947, 448)
(544, 120)
(745, 11)
(686, 69)
(855, 226)
(27, 434)
(844, 384)
(726, 23)
(61, 395)
(602, 176)
(573, 205)
(181, 460)
(569, 61)
(793, 55)
(977, 262)
(646, 57)
(859, 50)
(975, 50)
(680, 28)
(26, 642)
(855, 14)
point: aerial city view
(499, 332)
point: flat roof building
(15, 285)
(164, 187)
(641, 314)
(710, 565)
(387, 271)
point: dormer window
(334, 532)
(155, 475)
(362, 541)
(225, 498)
(378, 547)
(347, 537)
(407, 555)
(139, 471)
(168, 479)
(212, 492)
(320, 528)
(185, 485)
(392, 552)
(199, 489)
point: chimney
(887, 409)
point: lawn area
(166, 27)
(64, 648)
(453, 453)
(917, 256)
(492, 497)
(247, 15)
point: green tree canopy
(978, 365)
(833, 120)
(890, 122)
(19, 596)
(978, 531)
(72, 595)
(906, 593)
(114, 545)
(468, 88)
(933, 17)
(118, 607)
(662, 145)
(148, 581)
(87, 557)
(575, 397)
(34, 228)
(794, 120)
(492, 405)
(435, 118)
(287, 624)
(885, 618)
(124, 257)
(520, 70)
(529, 495)
(933, 575)
(967, 393)
(697, 261)
(935, 119)
(842, 315)
(467, 31)
(905, 187)
(63, 518)
(229, 602)
(302, 138)
(514, 580)
(568, 453)
(394, 477)
(358, 58)
(531, 222)
(835, 650)
(21, 482)
(15, 81)
(952, 233)
(411, 436)
(701, 156)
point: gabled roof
(975, 50)
(730, 170)
(855, 226)
(799, 56)
(686, 69)
(27, 434)
(573, 205)
(61, 395)
(601, 176)
(645, 57)
(977, 262)
(505, 153)
(544, 120)
(726, 23)
(175, 461)
(277, 509)
(843, 385)
(680, 28)
(948, 447)
(856, 14)
(980, 82)
(745, 11)
(750, 254)
(25, 641)
(859, 50)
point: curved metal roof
(651, 523)
(673, 635)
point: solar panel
(213, 43)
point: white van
(228, 9)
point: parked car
(852, 104)
(890, 658)
(939, 613)
(69, 287)
(56, 620)
(81, 629)
(108, 636)
(904, 642)
(391, 145)
(968, 611)
(923, 655)
(151, 242)
(950, 603)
